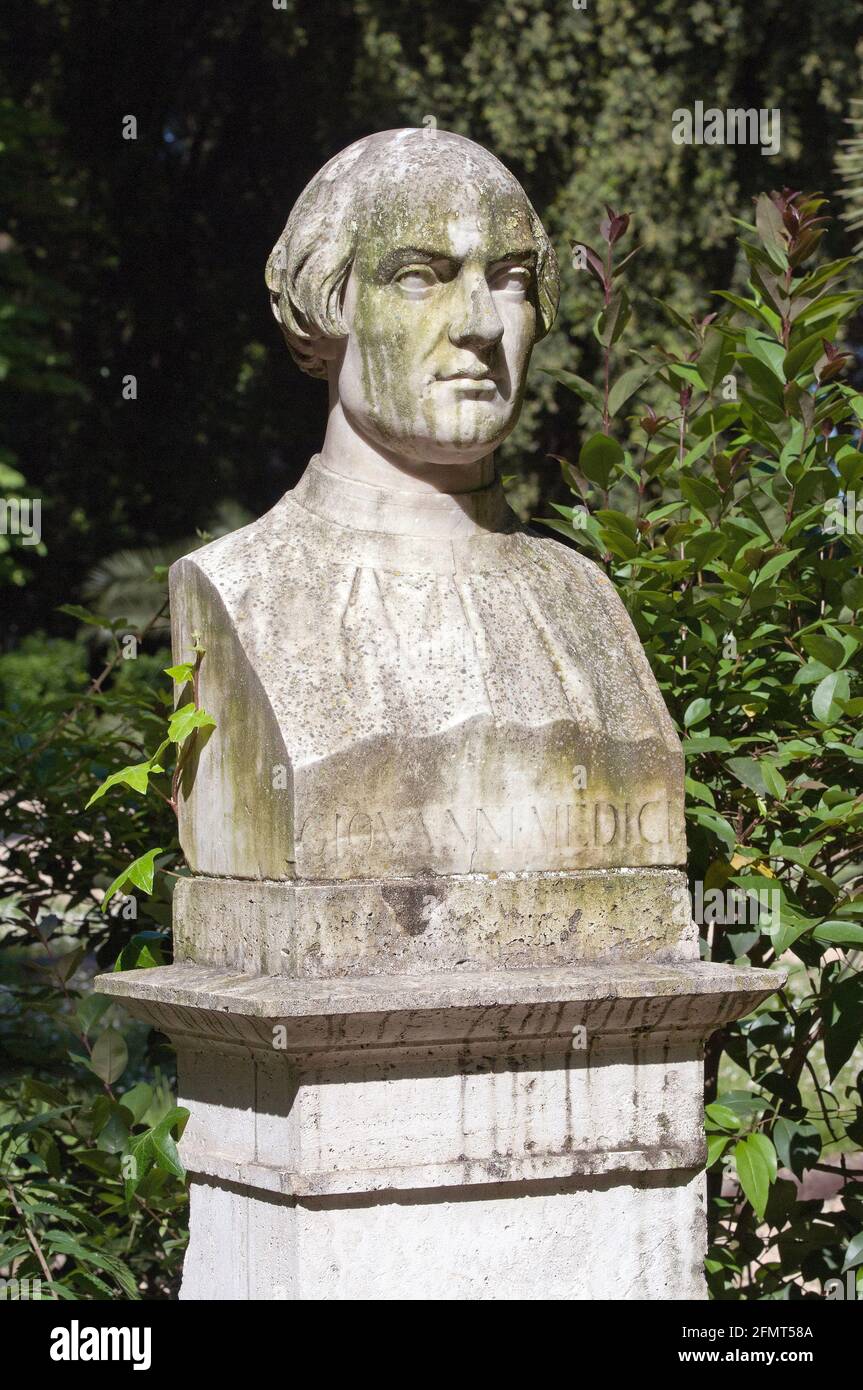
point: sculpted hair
(309, 265)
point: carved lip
(477, 379)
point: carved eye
(415, 279)
(512, 279)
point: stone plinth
(484, 1135)
(397, 925)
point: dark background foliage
(146, 256)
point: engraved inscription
(583, 824)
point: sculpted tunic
(409, 685)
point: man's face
(441, 322)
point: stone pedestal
(483, 1132)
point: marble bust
(406, 681)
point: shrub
(726, 514)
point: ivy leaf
(156, 1146)
(182, 673)
(165, 1150)
(186, 720)
(140, 873)
(136, 776)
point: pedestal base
(512, 1134)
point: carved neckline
(427, 515)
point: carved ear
(325, 348)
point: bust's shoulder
(245, 552)
(552, 554)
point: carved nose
(479, 324)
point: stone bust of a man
(404, 680)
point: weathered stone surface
(362, 1138)
(435, 923)
(689, 998)
(635, 1236)
(391, 705)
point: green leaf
(701, 494)
(61, 1243)
(165, 1149)
(91, 1008)
(140, 873)
(599, 456)
(627, 385)
(767, 350)
(186, 720)
(722, 1116)
(756, 1169)
(749, 772)
(143, 952)
(719, 826)
(74, 610)
(852, 591)
(136, 776)
(773, 780)
(109, 1056)
(182, 673)
(579, 386)
(716, 1146)
(771, 230)
(612, 320)
(854, 1253)
(802, 357)
(798, 1145)
(695, 711)
(837, 933)
(114, 1134)
(138, 1101)
(694, 747)
(825, 649)
(829, 697)
(775, 564)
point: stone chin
(457, 431)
